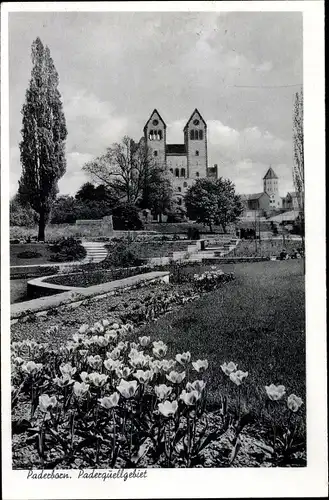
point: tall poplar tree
(43, 137)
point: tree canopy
(43, 136)
(213, 202)
(129, 170)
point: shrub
(120, 256)
(22, 215)
(193, 233)
(67, 250)
(28, 254)
(126, 217)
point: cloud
(92, 124)
(116, 67)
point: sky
(240, 69)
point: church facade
(187, 161)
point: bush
(67, 250)
(193, 233)
(120, 256)
(21, 215)
(126, 217)
(28, 254)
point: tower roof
(155, 114)
(270, 174)
(195, 112)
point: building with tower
(271, 187)
(266, 201)
(187, 161)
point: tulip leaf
(213, 436)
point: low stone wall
(74, 298)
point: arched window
(176, 172)
(192, 135)
(155, 153)
(182, 172)
(151, 135)
(197, 174)
(201, 135)
(185, 184)
(197, 153)
(196, 135)
(159, 135)
(179, 189)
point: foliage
(89, 192)
(119, 255)
(193, 233)
(66, 250)
(176, 213)
(210, 280)
(43, 137)
(158, 193)
(28, 254)
(213, 202)
(21, 214)
(103, 400)
(64, 210)
(126, 217)
(298, 140)
(67, 209)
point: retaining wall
(74, 298)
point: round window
(196, 122)
(155, 122)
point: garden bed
(258, 326)
(95, 277)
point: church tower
(195, 138)
(271, 187)
(155, 136)
(271, 182)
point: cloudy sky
(240, 70)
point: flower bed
(103, 400)
(106, 396)
(96, 277)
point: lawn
(264, 248)
(38, 248)
(256, 321)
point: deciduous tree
(129, 170)
(213, 202)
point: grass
(256, 321)
(264, 248)
(180, 227)
(41, 248)
(57, 231)
(18, 290)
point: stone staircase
(199, 250)
(96, 252)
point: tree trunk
(42, 225)
(210, 227)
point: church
(187, 161)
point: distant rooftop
(270, 174)
(255, 196)
(175, 149)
